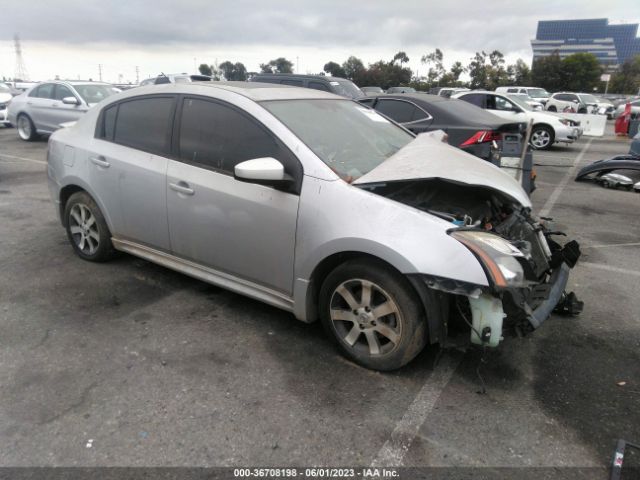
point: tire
(552, 108)
(26, 128)
(382, 333)
(542, 137)
(87, 230)
(582, 110)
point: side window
(145, 124)
(563, 97)
(34, 92)
(476, 99)
(45, 90)
(397, 110)
(420, 114)
(61, 92)
(512, 90)
(107, 123)
(368, 102)
(502, 104)
(319, 86)
(573, 98)
(219, 137)
(295, 83)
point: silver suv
(312, 203)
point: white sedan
(548, 128)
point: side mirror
(574, 100)
(70, 101)
(264, 171)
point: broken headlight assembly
(504, 264)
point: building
(611, 44)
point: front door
(243, 229)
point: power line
(21, 70)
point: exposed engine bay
(545, 262)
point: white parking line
(609, 268)
(635, 244)
(42, 162)
(553, 198)
(395, 448)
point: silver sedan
(46, 107)
(312, 203)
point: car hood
(5, 97)
(427, 156)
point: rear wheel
(373, 314)
(541, 137)
(552, 108)
(87, 229)
(26, 128)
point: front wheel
(552, 109)
(541, 137)
(26, 128)
(87, 229)
(374, 315)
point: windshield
(588, 98)
(519, 100)
(538, 93)
(346, 89)
(94, 93)
(351, 139)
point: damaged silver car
(314, 204)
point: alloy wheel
(84, 229)
(540, 138)
(366, 317)
(24, 127)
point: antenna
(21, 71)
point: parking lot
(130, 364)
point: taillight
(483, 136)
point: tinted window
(512, 90)
(295, 83)
(145, 124)
(44, 91)
(563, 97)
(397, 110)
(108, 123)
(367, 101)
(220, 137)
(476, 99)
(319, 86)
(62, 92)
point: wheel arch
(76, 185)
(546, 125)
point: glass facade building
(611, 44)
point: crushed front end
(527, 267)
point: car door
(65, 112)
(243, 229)
(39, 107)
(127, 167)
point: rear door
(239, 228)
(504, 108)
(39, 105)
(128, 165)
(406, 113)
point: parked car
(45, 107)
(469, 128)
(401, 90)
(606, 107)
(312, 203)
(635, 107)
(547, 128)
(574, 102)
(371, 90)
(5, 98)
(175, 78)
(534, 104)
(339, 86)
(448, 91)
(535, 93)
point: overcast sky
(70, 38)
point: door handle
(182, 187)
(100, 161)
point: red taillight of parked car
(483, 136)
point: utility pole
(20, 71)
(100, 71)
(137, 74)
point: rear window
(145, 124)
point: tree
(278, 65)
(581, 72)
(233, 71)
(627, 80)
(547, 72)
(478, 71)
(436, 67)
(400, 57)
(334, 69)
(354, 70)
(521, 73)
(204, 69)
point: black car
(339, 86)
(467, 126)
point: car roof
(300, 75)
(255, 91)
